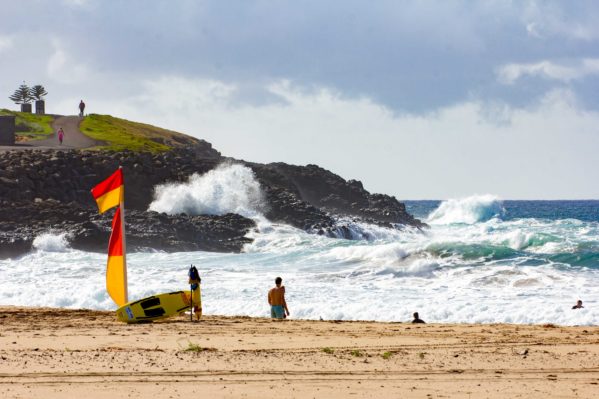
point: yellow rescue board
(157, 307)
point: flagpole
(124, 236)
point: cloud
(406, 57)
(6, 43)
(542, 151)
(557, 19)
(76, 3)
(510, 73)
(394, 96)
(63, 68)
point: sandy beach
(58, 353)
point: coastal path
(73, 138)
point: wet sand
(58, 353)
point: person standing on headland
(276, 300)
(60, 135)
(81, 108)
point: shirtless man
(276, 300)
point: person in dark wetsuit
(578, 305)
(194, 282)
(417, 319)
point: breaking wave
(51, 242)
(230, 188)
(469, 210)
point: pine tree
(22, 95)
(38, 92)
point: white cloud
(6, 43)
(510, 73)
(76, 3)
(546, 20)
(547, 151)
(63, 68)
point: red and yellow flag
(110, 192)
(116, 269)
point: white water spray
(226, 189)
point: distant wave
(228, 188)
(469, 210)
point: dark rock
(89, 231)
(331, 195)
(35, 185)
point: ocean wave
(523, 240)
(423, 268)
(383, 254)
(576, 259)
(52, 242)
(527, 270)
(472, 252)
(230, 188)
(469, 210)
(365, 231)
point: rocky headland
(49, 191)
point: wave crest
(469, 210)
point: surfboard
(156, 307)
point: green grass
(328, 350)
(356, 353)
(191, 347)
(31, 126)
(387, 355)
(120, 134)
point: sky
(416, 99)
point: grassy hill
(30, 126)
(120, 134)
(115, 134)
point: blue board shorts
(277, 312)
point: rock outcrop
(49, 190)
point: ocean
(483, 260)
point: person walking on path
(276, 300)
(81, 108)
(60, 135)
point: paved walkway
(73, 138)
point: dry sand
(57, 353)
